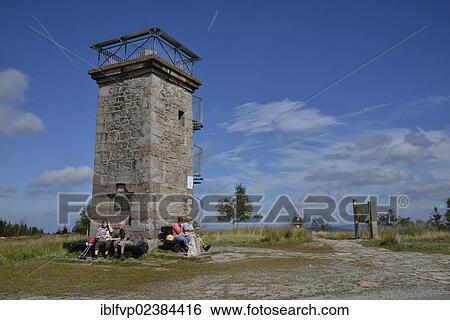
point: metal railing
(197, 113)
(140, 44)
(197, 164)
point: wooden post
(355, 217)
(373, 227)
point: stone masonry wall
(144, 140)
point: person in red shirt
(177, 231)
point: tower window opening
(181, 117)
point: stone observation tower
(145, 162)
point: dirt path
(352, 271)
(396, 275)
(326, 269)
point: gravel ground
(348, 271)
(352, 271)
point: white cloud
(253, 118)
(59, 180)
(13, 87)
(235, 153)
(372, 141)
(7, 191)
(394, 161)
(359, 177)
(409, 147)
(431, 100)
(299, 159)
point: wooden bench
(173, 245)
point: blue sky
(383, 130)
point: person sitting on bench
(177, 231)
(103, 238)
(121, 241)
(189, 230)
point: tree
(447, 215)
(403, 221)
(436, 220)
(387, 219)
(63, 230)
(82, 225)
(237, 208)
(319, 224)
(7, 229)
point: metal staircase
(197, 113)
(198, 158)
(197, 124)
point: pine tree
(237, 208)
(83, 224)
(435, 220)
(387, 219)
(319, 224)
(7, 229)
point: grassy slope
(408, 238)
(431, 241)
(22, 248)
(288, 239)
(267, 236)
(38, 266)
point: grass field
(413, 237)
(336, 235)
(21, 248)
(39, 266)
(267, 236)
(427, 241)
(288, 239)
(243, 261)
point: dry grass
(23, 248)
(336, 235)
(413, 238)
(31, 270)
(68, 279)
(266, 237)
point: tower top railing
(151, 41)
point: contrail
(61, 47)
(51, 39)
(367, 109)
(213, 20)
(348, 74)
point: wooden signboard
(366, 213)
(362, 212)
